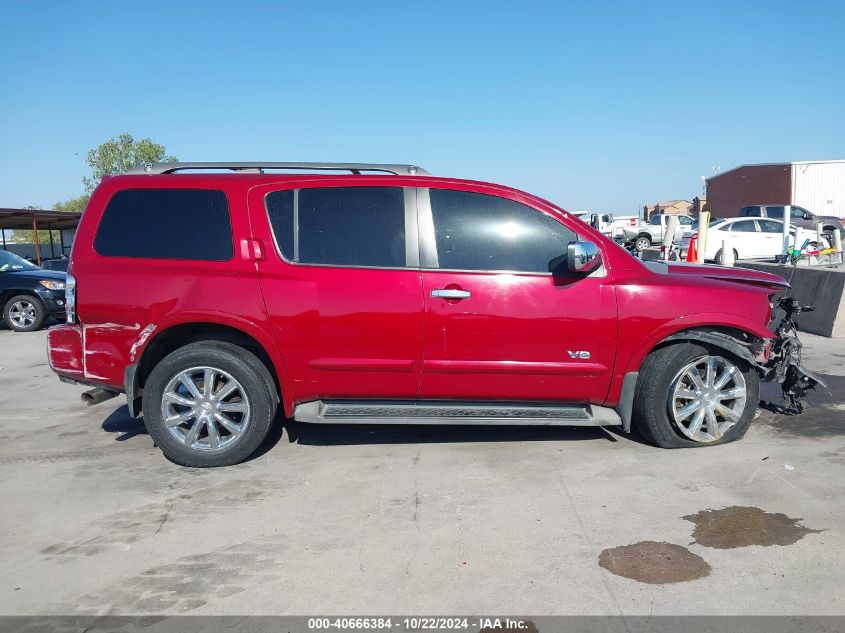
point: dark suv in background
(29, 294)
(798, 216)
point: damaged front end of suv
(784, 364)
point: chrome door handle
(449, 293)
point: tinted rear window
(166, 224)
(340, 226)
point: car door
(342, 287)
(498, 324)
(771, 235)
(745, 238)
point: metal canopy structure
(35, 220)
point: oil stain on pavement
(654, 563)
(740, 526)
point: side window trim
(412, 246)
(295, 225)
(427, 252)
(411, 232)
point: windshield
(10, 262)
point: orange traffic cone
(692, 251)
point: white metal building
(819, 186)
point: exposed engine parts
(785, 364)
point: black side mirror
(580, 257)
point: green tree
(117, 155)
(76, 205)
(112, 157)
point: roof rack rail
(355, 168)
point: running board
(393, 412)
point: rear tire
(641, 243)
(661, 387)
(209, 404)
(24, 313)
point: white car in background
(758, 238)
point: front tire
(24, 313)
(689, 395)
(209, 404)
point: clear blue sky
(594, 105)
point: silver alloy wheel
(706, 398)
(205, 408)
(642, 243)
(23, 314)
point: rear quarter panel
(123, 303)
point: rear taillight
(70, 298)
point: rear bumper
(65, 351)
(66, 354)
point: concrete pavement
(425, 520)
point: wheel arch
(736, 341)
(744, 342)
(178, 335)
(723, 325)
(8, 293)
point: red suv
(212, 296)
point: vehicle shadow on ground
(119, 421)
(127, 428)
(347, 434)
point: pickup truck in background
(798, 216)
(610, 225)
(645, 234)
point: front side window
(798, 212)
(166, 224)
(743, 226)
(686, 220)
(340, 226)
(482, 232)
